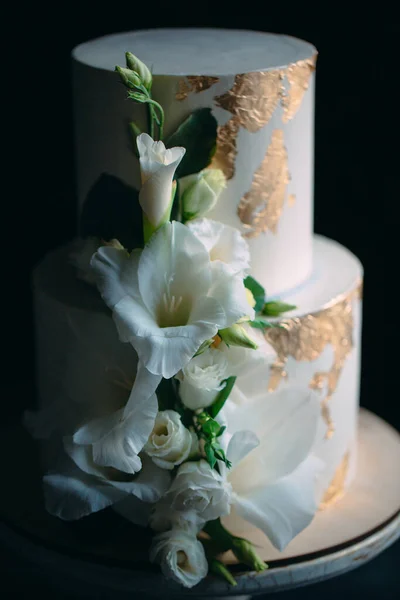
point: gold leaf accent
(298, 75)
(260, 208)
(253, 98)
(225, 154)
(335, 490)
(291, 200)
(305, 338)
(194, 84)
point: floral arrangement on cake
(198, 436)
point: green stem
(219, 535)
(150, 116)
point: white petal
(174, 262)
(107, 264)
(285, 508)
(71, 497)
(230, 292)
(286, 423)
(240, 445)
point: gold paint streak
(194, 84)
(305, 338)
(291, 200)
(260, 208)
(336, 489)
(298, 75)
(225, 154)
(253, 98)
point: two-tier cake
(251, 95)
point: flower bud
(245, 553)
(133, 63)
(200, 192)
(129, 78)
(236, 335)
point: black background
(355, 182)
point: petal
(286, 422)
(228, 289)
(107, 264)
(174, 262)
(74, 496)
(285, 508)
(150, 484)
(240, 445)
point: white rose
(181, 557)
(200, 191)
(170, 443)
(199, 488)
(157, 168)
(201, 379)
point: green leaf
(208, 449)
(219, 453)
(222, 397)
(257, 290)
(211, 428)
(262, 324)
(218, 568)
(221, 430)
(274, 309)
(198, 134)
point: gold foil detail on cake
(260, 208)
(298, 76)
(194, 84)
(225, 154)
(336, 487)
(291, 200)
(305, 338)
(253, 98)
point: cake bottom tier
(84, 371)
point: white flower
(224, 243)
(163, 517)
(199, 192)
(201, 379)
(273, 473)
(157, 167)
(170, 443)
(181, 557)
(117, 439)
(82, 487)
(199, 488)
(170, 298)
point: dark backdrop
(352, 182)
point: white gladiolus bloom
(199, 488)
(181, 557)
(170, 298)
(157, 168)
(273, 474)
(201, 379)
(170, 443)
(224, 243)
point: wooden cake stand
(106, 551)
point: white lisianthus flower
(170, 443)
(181, 557)
(199, 488)
(224, 243)
(274, 471)
(163, 518)
(82, 487)
(157, 168)
(199, 192)
(201, 379)
(170, 298)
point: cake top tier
(197, 51)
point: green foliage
(198, 134)
(257, 290)
(262, 324)
(222, 397)
(209, 430)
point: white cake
(263, 100)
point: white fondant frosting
(82, 366)
(281, 256)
